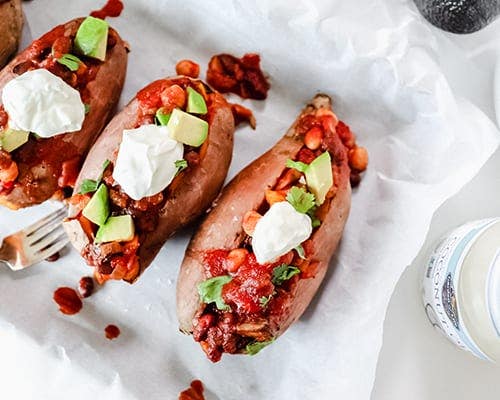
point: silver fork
(35, 242)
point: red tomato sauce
(68, 300)
(113, 8)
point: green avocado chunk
(92, 38)
(187, 128)
(97, 209)
(196, 102)
(116, 229)
(319, 176)
(11, 139)
(161, 117)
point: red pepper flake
(68, 300)
(242, 76)
(112, 332)
(113, 8)
(195, 392)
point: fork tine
(43, 231)
(52, 249)
(54, 216)
(47, 240)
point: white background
(46, 355)
(416, 362)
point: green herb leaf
(300, 251)
(264, 300)
(315, 222)
(181, 165)
(87, 108)
(210, 291)
(161, 118)
(253, 348)
(90, 185)
(298, 165)
(283, 273)
(70, 61)
(301, 200)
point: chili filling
(17, 167)
(254, 298)
(119, 260)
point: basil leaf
(253, 348)
(301, 200)
(300, 251)
(210, 291)
(298, 165)
(70, 61)
(283, 273)
(90, 185)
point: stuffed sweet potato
(11, 24)
(56, 97)
(156, 167)
(260, 255)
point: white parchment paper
(377, 59)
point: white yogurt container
(461, 288)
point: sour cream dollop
(39, 101)
(146, 161)
(281, 229)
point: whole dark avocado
(459, 16)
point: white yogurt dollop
(146, 161)
(41, 102)
(281, 229)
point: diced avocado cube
(11, 139)
(196, 102)
(92, 38)
(187, 128)
(116, 229)
(97, 209)
(161, 117)
(319, 176)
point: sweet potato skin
(11, 25)
(222, 228)
(200, 184)
(104, 92)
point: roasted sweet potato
(160, 215)
(227, 300)
(11, 24)
(43, 167)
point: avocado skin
(459, 16)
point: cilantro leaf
(264, 300)
(210, 291)
(70, 61)
(300, 251)
(301, 200)
(283, 273)
(298, 165)
(254, 347)
(181, 165)
(315, 221)
(90, 185)
(87, 108)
